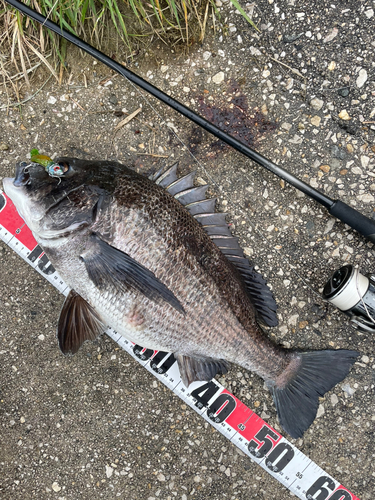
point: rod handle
(354, 219)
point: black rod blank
(344, 212)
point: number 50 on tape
(263, 444)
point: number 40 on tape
(215, 404)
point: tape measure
(238, 423)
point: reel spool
(354, 294)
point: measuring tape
(263, 444)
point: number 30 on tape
(263, 444)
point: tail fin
(318, 371)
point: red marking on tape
(344, 494)
(242, 419)
(246, 422)
(25, 236)
(14, 224)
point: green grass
(171, 21)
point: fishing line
(226, 413)
(49, 13)
(337, 208)
(212, 181)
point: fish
(150, 257)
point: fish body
(166, 276)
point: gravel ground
(301, 92)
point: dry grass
(25, 45)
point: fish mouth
(22, 177)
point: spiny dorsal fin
(203, 210)
(202, 206)
(185, 182)
(163, 179)
(191, 195)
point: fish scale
(139, 261)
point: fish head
(60, 199)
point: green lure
(53, 169)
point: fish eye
(58, 169)
(64, 166)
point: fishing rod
(345, 282)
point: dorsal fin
(166, 178)
(202, 206)
(191, 195)
(185, 182)
(193, 198)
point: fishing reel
(354, 294)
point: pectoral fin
(106, 264)
(196, 369)
(78, 322)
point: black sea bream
(151, 258)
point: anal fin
(199, 369)
(78, 322)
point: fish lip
(22, 176)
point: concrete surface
(97, 425)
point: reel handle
(354, 219)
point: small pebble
(348, 390)
(56, 487)
(218, 78)
(366, 198)
(332, 66)
(4, 147)
(289, 83)
(365, 160)
(113, 99)
(334, 399)
(315, 120)
(331, 36)
(291, 38)
(325, 168)
(320, 411)
(316, 104)
(362, 77)
(292, 321)
(335, 163)
(108, 471)
(338, 153)
(286, 126)
(344, 92)
(344, 115)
